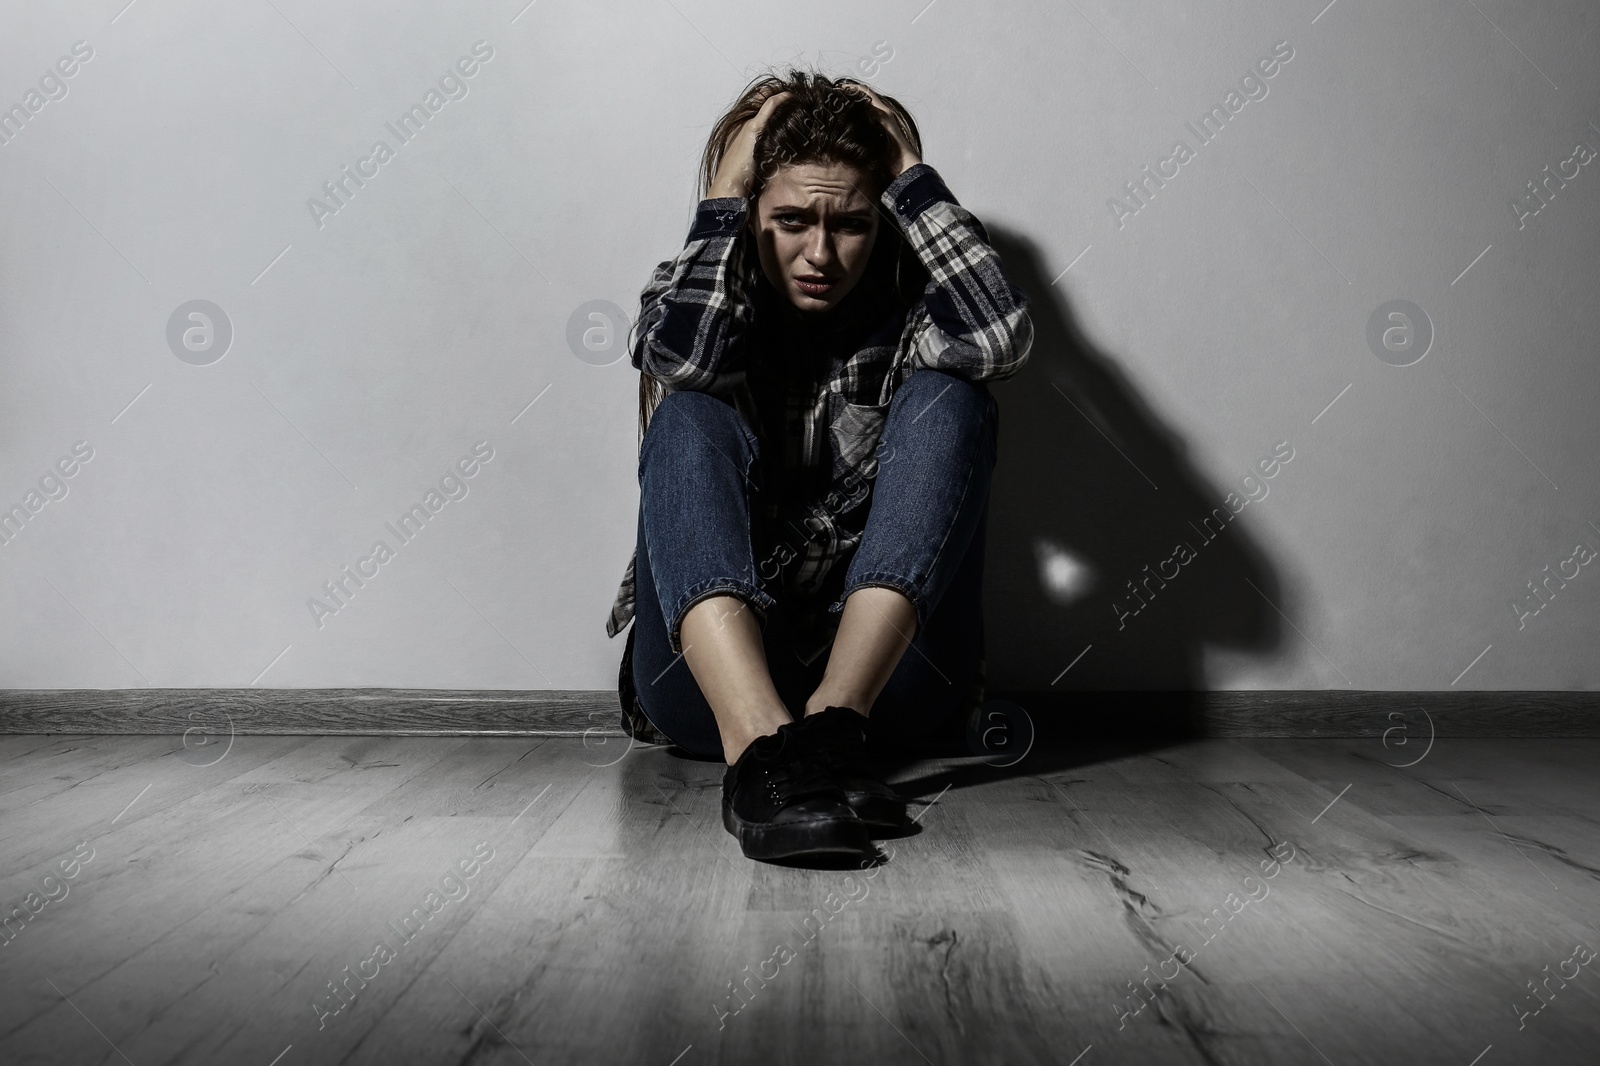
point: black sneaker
(781, 804)
(838, 736)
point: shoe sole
(759, 840)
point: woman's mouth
(814, 285)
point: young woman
(816, 442)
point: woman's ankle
(826, 697)
(735, 741)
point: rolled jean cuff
(886, 580)
(758, 600)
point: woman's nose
(820, 251)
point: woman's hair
(820, 122)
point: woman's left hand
(908, 153)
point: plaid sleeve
(971, 321)
(695, 309)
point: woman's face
(815, 227)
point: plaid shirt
(829, 383)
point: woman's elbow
(1018, 345)
(666, 366)
(1005, 352)
(678, 374)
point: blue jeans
(924, 536)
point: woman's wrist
(724, 189)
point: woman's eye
(788, 220)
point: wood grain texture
(325, 712)
(1030, 918)
(594, 713)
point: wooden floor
(217, 895)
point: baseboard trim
(1063, 715)
(1397, 717)
(299, 711)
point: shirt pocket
(855, 429)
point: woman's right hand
(736, 171)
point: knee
(969, 399)
(949, 406)
(691, 423)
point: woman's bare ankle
(824, 698)
(735, 741)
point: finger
(759, 120)
(872, 95)
(771, 102)
(877, 102)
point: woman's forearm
(693, 312)
(972, 321)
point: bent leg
(697, 465)
(700, 667)
(928, 512)
(936, 456)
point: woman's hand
(736, 171)
(892, 122)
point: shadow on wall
(1072, 523)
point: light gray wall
(371, 351)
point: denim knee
(970, 402)
(690, 420)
